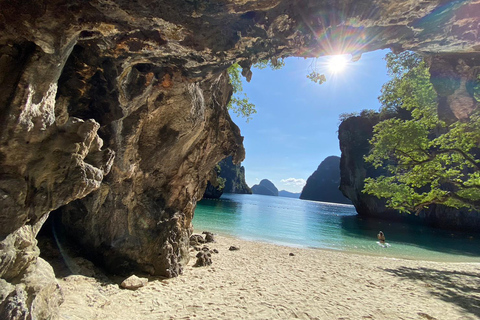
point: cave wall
(167, 132)
(124, 101)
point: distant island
(265, 187)
(323, 184)
(288, 194)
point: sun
(337, 64)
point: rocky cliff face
(323, 184)
(266, 188)
(137, 90)
(354, 134)
(233, 177)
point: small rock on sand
(204, 258)
(233, 248)
(208, 236)
(133, 282)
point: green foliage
(429, 161)
(476, 89)
(344, 116)
(316, 77)
(274, 64)
(239, 104)
(220, 181)
(365, 113)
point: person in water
(381, 237)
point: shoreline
(359, 252)
(263, 281)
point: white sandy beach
(262, 281)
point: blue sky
(296, 123)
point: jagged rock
(196, 239)
(36, 296)
(323, 184)
(28, 287)
(133, 282)
(233, 248)
(204, 258)
(209, 237)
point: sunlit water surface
(300, 223)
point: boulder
(209, 237)
(204, 258)
(196, 239)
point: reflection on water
(301, 223)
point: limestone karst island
(226, 159)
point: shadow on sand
(456, 287)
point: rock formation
(323, 184)
(266, 188)
(215, 185)
(354, 134)
(232, 177)
(144, 81)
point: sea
(322, 225)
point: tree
(239, 102)
(430, 161)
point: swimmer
(381, 237)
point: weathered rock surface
(146, 79)
(265, 187)
(323, 184)
(204, 258)
(354, 134)
(196, 239)
(140, 219)
(209, 237)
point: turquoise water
(300, 223)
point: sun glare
(336, 64)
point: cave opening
(296, 124)
(60, 249)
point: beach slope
(264, 281)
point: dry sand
(262, 281)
